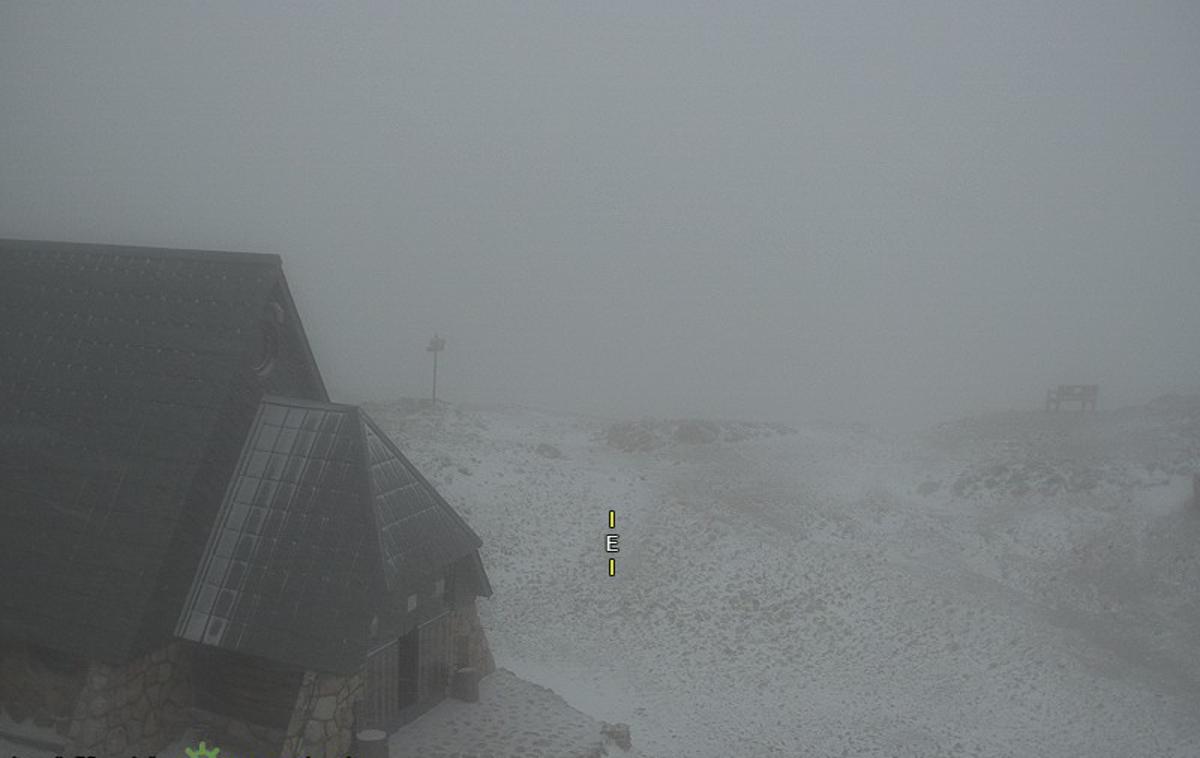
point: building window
(270, 335)
(412, 603)
(439, 588)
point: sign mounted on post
(436, 345)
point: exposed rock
(619, 734)
(633, 437)
(648, 434)
(694, 432)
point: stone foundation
(471, 648)
(322, 723)
(138, 707)
(39, 686)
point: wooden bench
(1084, 394)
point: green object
(202, 751)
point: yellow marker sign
(611, 543)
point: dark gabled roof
(322, 510)
(416, 526)
(116, 366)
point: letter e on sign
(610, 543)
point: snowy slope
(1018, 585)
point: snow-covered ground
(513, 719)
(26, 739)
(1023, 584)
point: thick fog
(879, 212)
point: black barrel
(465, 686)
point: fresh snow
(32, 738)
(1017, 585)
(1021, 584)
(513, 719)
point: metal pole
(436, 345)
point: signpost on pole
(436, 345)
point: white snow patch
(804, 594)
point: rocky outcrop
(618, 734)
(650, 434)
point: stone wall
(138, 707)
(471, 648)
(322, 723)
(38, 686)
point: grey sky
(861, 210)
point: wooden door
(435, 652)
(407, 676)
(391, 684)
